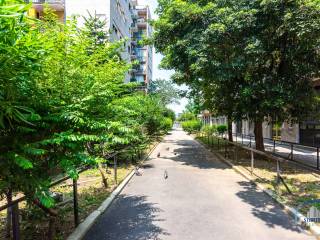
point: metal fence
(12, 206)
(264, 166)
(306, 155)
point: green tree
(165, 90)
(249, 59)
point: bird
(136, 171)
(158, 154)
(168, 148)
(165, 175)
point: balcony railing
(45, 1)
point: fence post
(218, 144)
(250, 141)
(9, 215)
(235, 153)
(75, 202)
(318, 158)
(274, 145)
(115, 169)
(241, 138)
(225, 148)
(236, 137)
(252, 162)
(291, 152)
(15, 222)
(278, 172)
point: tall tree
(249, 59)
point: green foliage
(222, 129)
(209, 129)
(186, 116)
(166, 124)
(191, 126)
(165, 90)
(246, 58)
(63, 103)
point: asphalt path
(200, 199)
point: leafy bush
(222, 129)
(166, 124)
(209, 129)
(191, 126)
(63, 102)
(187, 116)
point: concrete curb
(84, 227)
(315, 230)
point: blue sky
(158, 73)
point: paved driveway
(201, 199)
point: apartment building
(125, 21)
(142, 73)
(118, 14)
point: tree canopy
(248, 59)
(63, 101)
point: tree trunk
(230, 130)
(104, 179)
(258, 134)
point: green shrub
(187, 116)
(191, 126)
(166, 124)
(222, 128)
(209, 129)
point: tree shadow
(191, 153)
(129, 218)
(265, 208)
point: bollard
(75, 203)
(250, 141)
(252, 162)
(291, 152)
(241, 138)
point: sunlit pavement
(202, 198)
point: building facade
(142, 72)
(125, 20)
(37, 9)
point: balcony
(134, 27)
(57, 5)
(45, 1)
(141, 22)
(134, 14)
(133, 56)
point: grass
(304, 184)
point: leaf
(23, 162)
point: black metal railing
(13, 205)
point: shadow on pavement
(264, 208)
(128, 218)
(190, 153)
